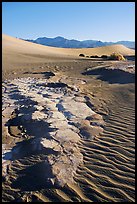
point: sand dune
(21, 46)
(17, 45)
(19, 54)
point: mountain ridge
(66, 43)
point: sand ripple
(107, 172)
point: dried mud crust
(49, 117)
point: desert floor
(107, 170)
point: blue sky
(105, 21)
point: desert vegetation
(113, 56)
(81, 55)
(104, 56)
(94, 56)
(117, 56)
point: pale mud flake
(54, 118)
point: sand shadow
(34, 178)
(112, 76)
(56, 85)
(34, 128)
(27, 147)
(130, 58)
(47, 75)
(31, 146)
(27, 127)
(21, 99)
(29, 178)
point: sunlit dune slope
(108, 50)
(12, 45)
(19, 54)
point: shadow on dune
(112, 75)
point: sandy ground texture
(68, 126)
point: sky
(105, 21)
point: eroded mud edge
(48, 117)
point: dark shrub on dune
(104, 56)
(94, 56)
(81, 55)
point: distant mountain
(65, 43)
(129, 44)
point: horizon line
(65, 38)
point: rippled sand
(108, 169)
